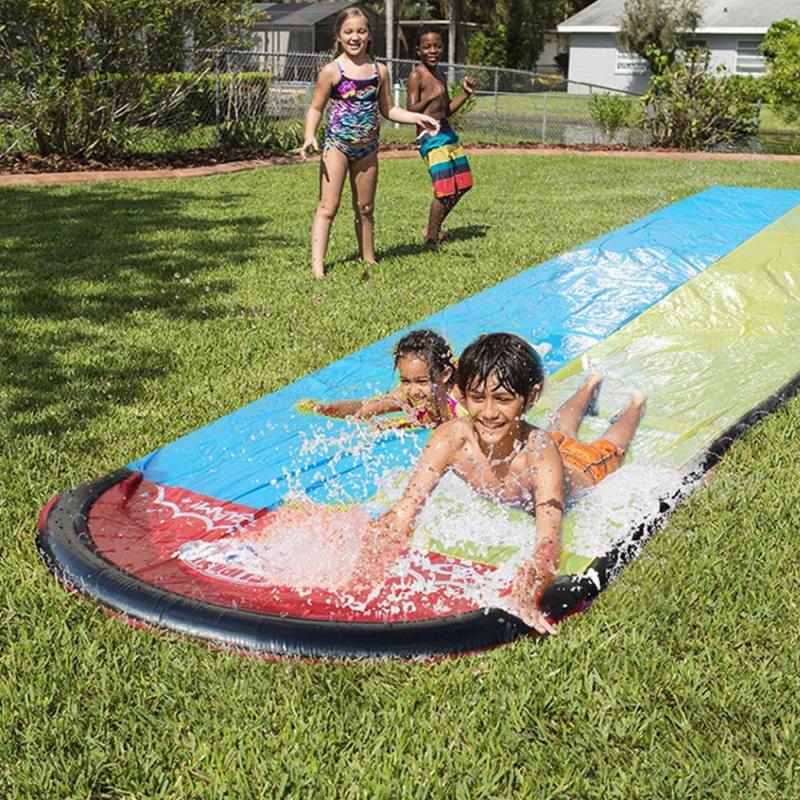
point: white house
(731, 29)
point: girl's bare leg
(568, 417)
(332, 172)
(363, 183)
(624, 426)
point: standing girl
(359, 90)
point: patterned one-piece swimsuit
(354, 121)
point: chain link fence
(249, 100)
(508, 105)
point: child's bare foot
(318, 272)
(639, 400)
(437, 238)
(593, 382)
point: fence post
(217, 100)
(544, 117)
(496, 109)
(396, 98)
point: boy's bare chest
(432, 86)
(509, 482)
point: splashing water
(308, 546)
(304, 545)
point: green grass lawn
(133, 313)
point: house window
(630, 64)
(699, 44)
(748, 60)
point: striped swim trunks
(444, 157)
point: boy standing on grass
(509, 461)
(441, 151)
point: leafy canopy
(781, 47)
(660, 24)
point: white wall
(546, 61)
(593, 59)
(723, 49)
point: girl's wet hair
(341, 18)
(516, 364)
(432, 348)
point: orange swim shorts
(595, 460)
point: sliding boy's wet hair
(516, 364)
(432, 348)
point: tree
(781, 47)
(660, 24)
(514, 30)
(487, 46)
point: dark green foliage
(781, 46)
(691, 107)
(79, 72)
(487, 47)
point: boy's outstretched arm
(539, 568)
(435, 461)
(389, 534)
(468, 89)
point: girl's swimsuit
(354, 121)
(426, 417)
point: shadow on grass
(461, 234)
(76, 269)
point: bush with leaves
(692, 107)
(82, 71)
(453, 91)
(612, 112)
(246, 119)
(781, 47)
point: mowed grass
(135, 312)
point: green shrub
(611, 113)
(453, 90)
(83, 70)
(781, 46)
(690, 107)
